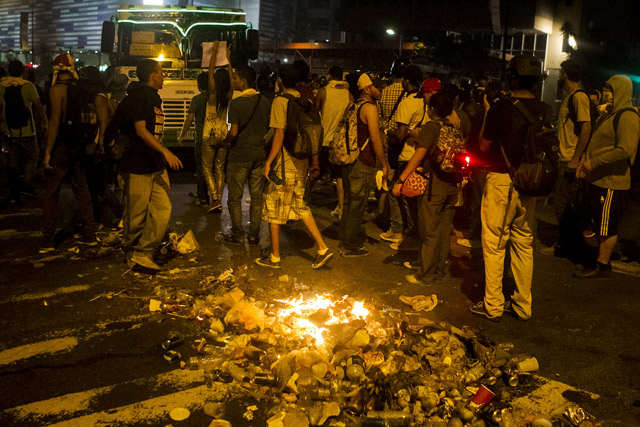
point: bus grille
(175, 112)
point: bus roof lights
(190, 10)
(183, 32)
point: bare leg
(605, 248)
(274, 232)
(340, 192)
(311, 225)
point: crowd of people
(463, 142)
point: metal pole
(504, 39)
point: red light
(467, 160)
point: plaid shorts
(285, 202)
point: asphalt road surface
(79, 346)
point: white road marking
(43, 295)
(35, 349)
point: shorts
(285, 202)
(606, 207)
(334, 170)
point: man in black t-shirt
(147, 202)
(507, 216)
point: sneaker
(127, 258)
(229, 238)
(266, 262)
(337, 213)
(588, 233)
(31, 193)
(144, 260)
(253, 240)
(322, 259)
(508, 308)
(389, 236)
(354, 253)
(214, 206)
(415, 280)
(395, 245)
(598, 272)
(469, 243)
(411, 266)
(480, 310)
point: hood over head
(622, 90)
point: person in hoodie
(607, 170)
(147, 203)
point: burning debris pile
(320, 360)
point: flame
(297, 310)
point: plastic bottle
(392, 418)
(195, 363)
(355, 369)
(475, 373)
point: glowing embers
(309, 316)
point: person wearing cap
(359, 177)
(507, 216)
(410, 114)
(64, 157)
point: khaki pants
(518, 225)
(147, 210)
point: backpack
(635, 168)
(343, 148)
(303, 132)
(80, 124)
(16, 113)
(446, 154)
(117, 142)
(538, 172)
(573, 115)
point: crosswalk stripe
(35, 349)
(74, 406)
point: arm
(232, 134)
(583, 140)
(321, 97)
(151, 141)
(212, 70)
(370, 113)
(415, 161)
(582, 106)
(4, 128)
(58, 97)
(402, 131)
(626, 140)
(276, 145)
(485, 144)
(186, 126)
(102, 111)
(42, 115)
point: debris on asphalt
(319, 359)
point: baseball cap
(431, 85)
(365, 81)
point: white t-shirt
(413, 113)
(566, 136)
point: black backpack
(117, 137)
(573, 115)
(80, 125)
(303, 132)
(538, 171)
(16, 113)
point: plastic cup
(528, 365)
(483, 396)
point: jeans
(65, 165)
(201, 186)
(435, 215)
(359, 180)
(478, 181)
(214, 159)
(147, 210)
(564, 197)
(21, 150)
(237, 176)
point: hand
(47, 161)
(216, 45)
(485, 102)
(229, 54)
(573, 164)
(583, 169)
(180, 139)
(314, 171)
(173, 161)
(396, 189)
(266, 170)
(385, 172)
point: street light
(391, 32)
